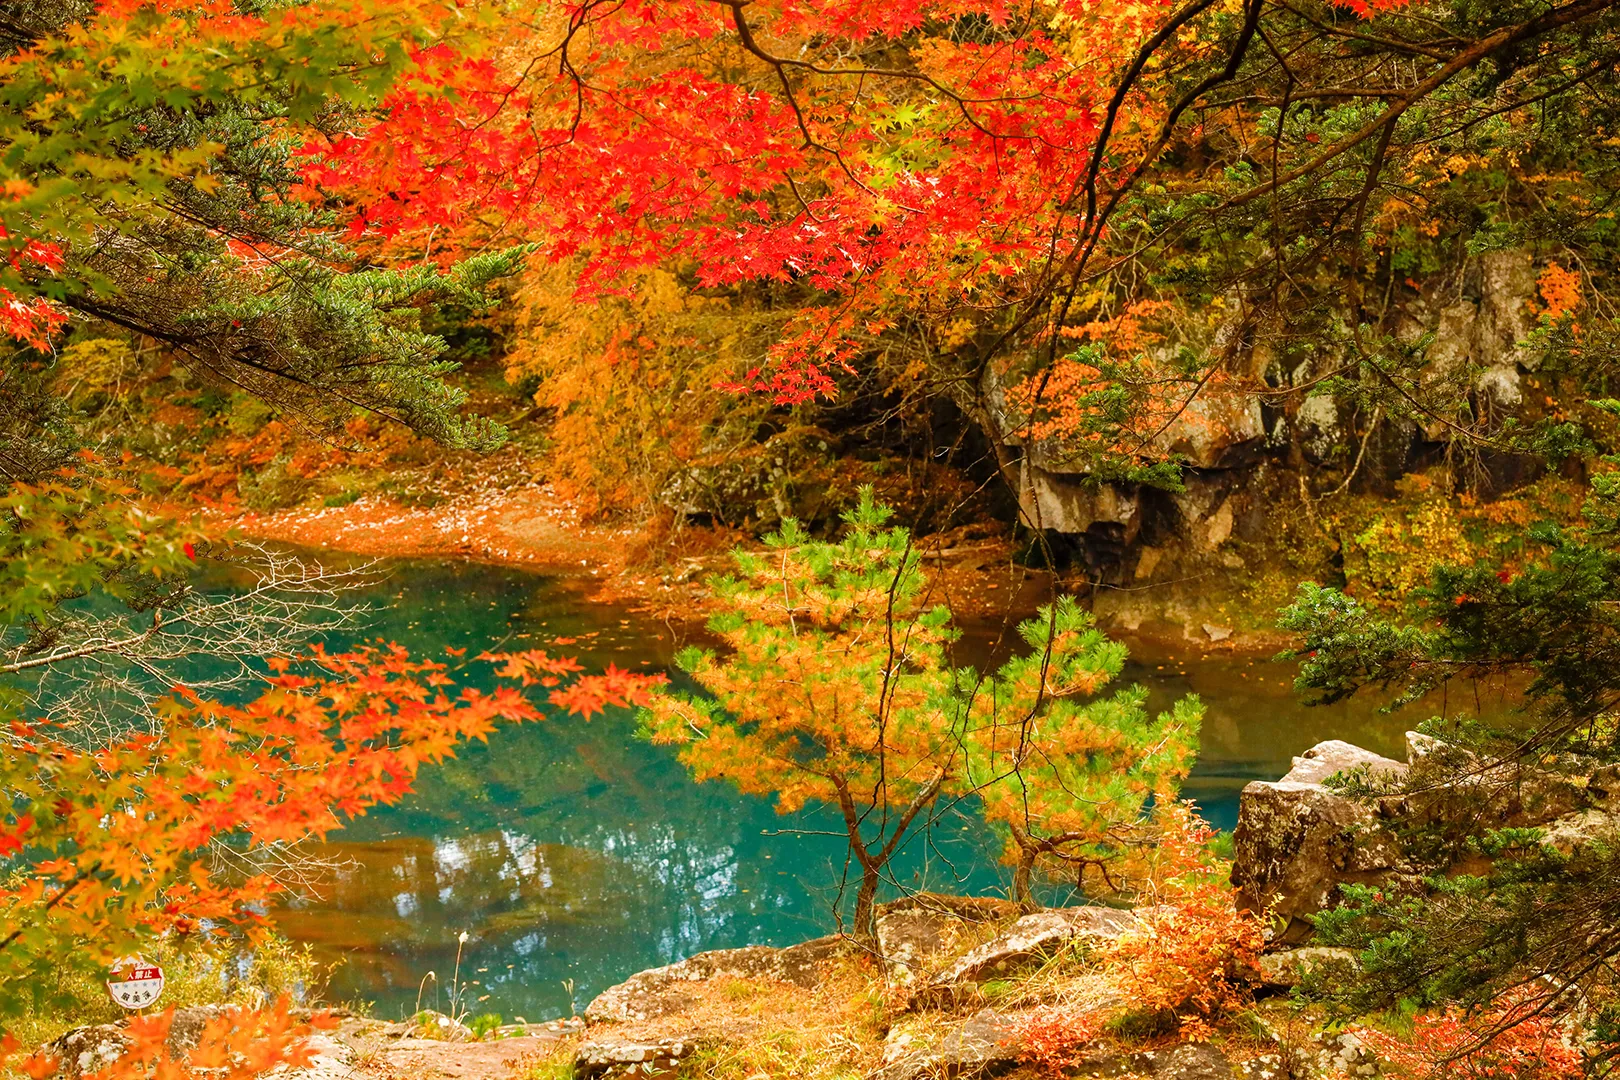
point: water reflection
(574, 860)
(573, 853)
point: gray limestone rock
(663, 991)
(627, 1057)
(912, 932)
(87, 1049)
(982, 1045)
(1289, 968)
(1297, 841)
(1026, 943)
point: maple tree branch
(1122, 91)
(745, 33)
(79, 879)
(1372, 39)
(1459, 62)
(1078, 259)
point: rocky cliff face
(1259, 450)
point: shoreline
(537, 528)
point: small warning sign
(134, 983)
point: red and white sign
(134, 983)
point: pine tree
(836, 686)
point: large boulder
(664, 991)
(1025, 944)
(1297, 840)
(616, 1057)
(985, 1044)
(914, 931)
(1282, 970)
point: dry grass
(766, 1028)
(191, 977)
(1070, 979)
(556, 1063)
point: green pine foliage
(1070, 773)
(1535, 909)
(836, 686)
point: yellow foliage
(96, 366)
(1390, 548)
(631, 383)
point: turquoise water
(573, 854)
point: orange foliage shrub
(1052, 1039)
(1504, 1042)
(1192, 946)
(1185, 960)
(1105, 392)
(1561, 289)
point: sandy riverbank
(537, 527)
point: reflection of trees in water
(568, 851)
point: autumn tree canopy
(1075, 221)
(983, 188)
(151, 185)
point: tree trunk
(866, 910)
(1022, 894)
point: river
(573, 854)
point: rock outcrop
(655, 1018)
(1028, 942)
(984, 1044)
(989, 1043)
(662, 991)
(1255, 464)
(1299, 839)
(914, 931)
(630, 1057)
(357, 1047)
